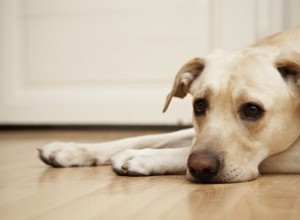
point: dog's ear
(184, 78)
(288, 64)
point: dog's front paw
(60, 154)
(132, 163)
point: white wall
(293, 12)
(113, 61)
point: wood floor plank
(31, 190)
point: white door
(113, 61)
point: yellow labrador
(246, 120)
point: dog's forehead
(238, 70)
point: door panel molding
(111, 62)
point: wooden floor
(31, 190)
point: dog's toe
(44, 159)
(51, 161)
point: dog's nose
(203, 165)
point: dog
(246, 120)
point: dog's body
(246, 120)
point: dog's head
(246, 108)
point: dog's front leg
(59, 154)
(145, 162)
(287, 161)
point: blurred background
(112, 62)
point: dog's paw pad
(125, 166)
(128, 172)
(130, 163)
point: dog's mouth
(223, 178)
(205, 167)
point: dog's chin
(226, 177)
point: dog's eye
(200, 106)
(251, 111)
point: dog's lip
(211, 181)
(218, 179)
(193, 179)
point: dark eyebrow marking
(205, 94)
